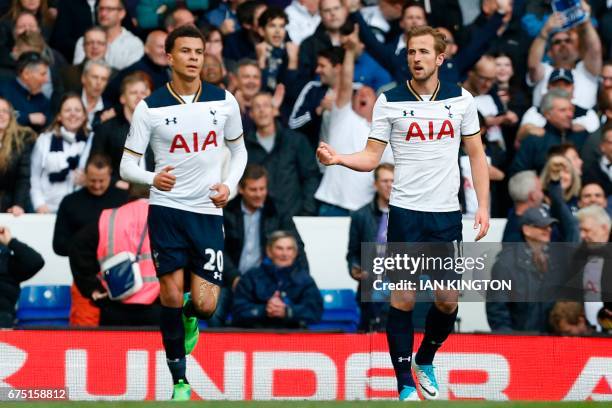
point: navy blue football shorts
(433, 235)
(186, 240)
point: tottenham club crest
(213, 113)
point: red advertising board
(130, 365)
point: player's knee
(403, 300)
(447, 307)
(170, 296)
(205, 308)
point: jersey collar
(178, 97)
(418, 97)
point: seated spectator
(248, 220)
(149, 13)
(303, 19)
(568, 319)
(369, 224)
(248, 84)
(279, 293)
(286, 155)
(599, 171)
(277, 59)
(241, 43)
(509, 88)
(32, 107)
(316, 98)
(39, 9)
(16, 143)
(82, 207)
(569, 180)
(333, 16)
(480, 83)
(94, 80)
(393, 56)
(592, 194)
(525, 189)
(225, 16)
(74, 17)
(124, 48)
(117, 230)
(214, 47)
(154, 63)
(591, 280)
(581, 55)
(212, 71)
(534, 271)
(533, 122)
(94, 47)
(110, 136)
(59, 156)
(178, 17)
(343, 190)
(18, 263)
(559, 112)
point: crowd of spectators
(302, 71)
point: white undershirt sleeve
(237, 163)
(135, 146)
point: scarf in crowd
(64, 154)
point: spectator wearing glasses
(25, 93)
(576, 50)
(124, 48)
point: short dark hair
(383, 166)
(253, 172)
(183, 31)
(271, 13)
(246, 11)
(409, 4)
(30, 59)
(99, 161)
(335, 55)
(561, 149)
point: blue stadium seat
(340, 311)
(44, 305)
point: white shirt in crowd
(348, 133)
(45, 162)
(302, 24)
(487, 107)
(589, 120)
(90, 115)
(375, 19)
(585, 86)
(591, 280)
(121, 53)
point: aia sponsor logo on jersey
(415, 131)
(193, 144)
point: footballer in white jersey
(425, 122)
(187, 123)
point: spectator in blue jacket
(279, 293)
(25, 91)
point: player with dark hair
(187, 123)
(425, 121)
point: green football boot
(181, 392)
(192, 332)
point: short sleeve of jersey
(233, 124)
(381, 123)
(140, 129)
(469, 124)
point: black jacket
(109, 139)
(292, 168)
(159, 75)
(574, 288)
(74, 17)
(309, 48)
(271, 220)
(297, 289)
(18, 263)
(15, 179)
(594, 174)
(79, 209)
(25, 103)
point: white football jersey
(425, 137)
(189, 137)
